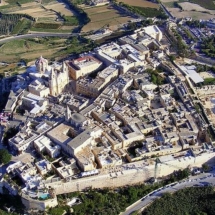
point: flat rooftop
(84, 62)
(59, 133)
(166, 158)
(80, 139)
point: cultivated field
(196, 11)
(64, 27)
(208, 4)
(29, 4)
(102, 16)
(45, 12)
(36, 12)
(60, 7)
(140, 3)
(194, 14)
(187, 6)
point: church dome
(78, 118)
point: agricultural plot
(102, 16)
(193, 9)
(29, 4)
(208, 4)
(187, 6)
(36, 12)
(67, 28)
(48, 11)
(194, 14)
(99, 9)
(8, 22)
(14, 2)
(140, 3)
(60, 7)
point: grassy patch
(50, 47)
(148, 12)
(14, 51)
(74, 46)
(140, 3)
(47, 1)
(209, 81)
(71, 20)
(24, 1)
(169, 4)
(11, 2)
(12, 47)
(145, 11)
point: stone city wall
(131, 176)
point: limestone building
(93, 87)
(58, 80)
(48, 79)
(83, 66)
(153, 31)
(44, 144)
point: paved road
(2, 167)
(200, 180)
(98, 36)
(1, 136)
(166, 11)
(33, 35)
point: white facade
(43, 143)
(23, 140)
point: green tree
(188, 201)
(56, 211)
(5, 157)
(172, 58)
(205, 167)
(154, 79)
(11, 132)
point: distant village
(105, 119)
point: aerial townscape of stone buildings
(100, 121)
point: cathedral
(48, 80)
